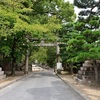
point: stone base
(2, 75)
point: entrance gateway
(42, 44)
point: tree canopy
(23, 20)
(82, 37)
(90, 7)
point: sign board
(59, 66)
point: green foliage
(45, 55)
(51, 56)
(22, 20)
(5, 50)
(40, 55)
(85, 46)
(85, 4)
(82, 39)
(80, 26)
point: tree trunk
(13, 61)
(13, 67)
(71, 68)
(96, 72)
(26, 62)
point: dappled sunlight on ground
(93, 93)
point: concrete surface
(39, 86)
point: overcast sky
(77, 10)
(71, 1)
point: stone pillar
(2, 75)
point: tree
(44, 55)
(14, 37)
(51, 57)
(22, 21)
(91, 8)
(82, 37)
(40, 55)
(91, 31)
(63, 11)
(73, 41)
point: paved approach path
(39, 86)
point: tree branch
(98, 3)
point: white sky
(77, 10)
(71, 1)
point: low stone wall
(87, 72)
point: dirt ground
(10, 79)
(93, 92)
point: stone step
(1, 72)
(37, 69)
(2, 76)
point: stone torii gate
(42, 44)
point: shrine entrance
(42, 44)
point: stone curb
(15, 80)
(78, 92)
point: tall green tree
(16, 27)
(90, 8)
(83, 36)
(91, 31)
(22, 20)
